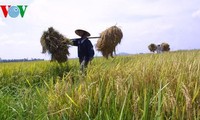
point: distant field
(146, 86)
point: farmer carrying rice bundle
(57, 45)
(85, 48)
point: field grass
(147, 87)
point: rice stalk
(188, 100)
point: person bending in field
(85, 48)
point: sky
(142, 22)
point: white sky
(143, 22)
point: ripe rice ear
(108, 41)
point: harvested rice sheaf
(108, 41)
(165, 47)
(152, 47)
(55, 44)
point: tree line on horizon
(20, 60)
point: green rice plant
(147, 86)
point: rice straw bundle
(152, 47)
(108, 41)
(55, 44)
(165, 47)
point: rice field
(146, 86)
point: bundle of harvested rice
(55, 44)
(165, 47)
(108, 41)
(152, 47)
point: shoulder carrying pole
(87, 37)
(93, 37)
